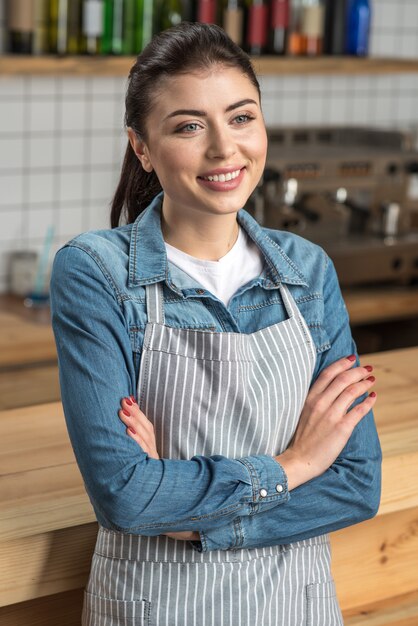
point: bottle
(334, 35)
(279, 26)
(74, 26)
(233, 20)
(257, 27)
(112, 40)
(106, 43)
(65, 26)
(170, 13)
(312, 26)
(40, 34)
(295, 40)
(20, 24)
(145, 18)
(92, 25)
(358, 27)
(206, 11)
(129, 24)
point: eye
(191, 127)
(243, 118)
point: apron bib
(216, 393)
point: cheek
(260, 150)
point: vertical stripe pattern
(216, 393)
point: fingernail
(127, 400)
(126, 413)
(372, 394)
(133, 399)
(369, 368)
(352, 357)
(132, 430)
(371, 378)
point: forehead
(216, 87)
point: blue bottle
(358, 27)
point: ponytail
(135, 190)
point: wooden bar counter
(47, 527)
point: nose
(220, 144)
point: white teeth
(221, 178)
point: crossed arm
(324, 428)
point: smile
(222, 178)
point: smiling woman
(211, 387)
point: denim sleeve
(129, 491)
(347, 493)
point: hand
(325, 424)
(139, 428)
(186, 535)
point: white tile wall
(62, 140)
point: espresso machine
(354, 191)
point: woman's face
(206, 141)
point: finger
(132, 414)
(329, 373)
(351, 394)
(356, 414)
(147, 446)
(344, 381)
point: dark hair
(181, 49)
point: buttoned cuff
(269, 489)
(269, 483)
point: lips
(225, 179)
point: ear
(140, 149)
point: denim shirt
(99, 317)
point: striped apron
(216, 393)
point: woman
(215, 494)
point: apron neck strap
(155, 303)
(288, 301)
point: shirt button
(200, 291)
(263, 493)
(279, 488)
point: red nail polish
(369, 368)
(133, 399)
(128, 402)
(132, 430)
(352, 357)
(126, 412)
(371, 378)
(372, 394)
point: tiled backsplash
(62, 139)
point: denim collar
(148, 258)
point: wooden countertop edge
(67, 504)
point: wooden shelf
(16, 65)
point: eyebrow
(198, 113)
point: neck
(209, 237)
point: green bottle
(112, 39)
(106, 43)
(129, 27)
(145, 18)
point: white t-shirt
(222, 278)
